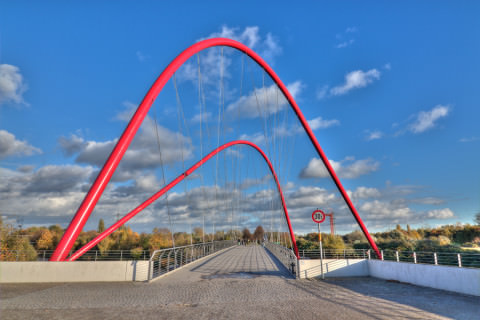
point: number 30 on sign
(318, 216)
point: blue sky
(391, 90)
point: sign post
(318, 216)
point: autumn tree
(332, 242)
(161, 238)
(258, 234)
(101, 226)
(57, 233)
(197, 235)
(246, 235)
(45, 241)
(105, 245)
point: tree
(197, 234)
(258, 234)
(477, 218)
(105, 245)
(332, 242)
(101, 226)
(246, 235)
(45, 241)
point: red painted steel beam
(330, 215)
(157, 195)
(93, 195)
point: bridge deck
(242, 262)
(239, 283)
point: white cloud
(346, 38)
(12, 86)
(322, 92)
(374, 135)
(356, 79)
(141, 56)
(426, 120)
(263, 101)
(204, 117)
(257, 138)
(365, 193)
(310, 197)
(387, 66)
(10, 146)
(344, 44)
(385, 213)
(271, 48)
(444, 213)
(429, 201)
(267, 47)
(391, 211)
(53, 178)
(214, 62)
(347, 168)
(319, 123)
(142, 153)
(471, 139)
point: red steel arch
(177, 180)
(88, 204)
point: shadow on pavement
(392, 300)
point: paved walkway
(239, 283)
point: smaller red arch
(173, 183)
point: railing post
(459, 257)
(96, 255)
(435, 258)
(168, 261)
(121, 255)
(381, 255)
(344, 257)
(397, 256)
(368, 254)
(414, 257)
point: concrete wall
(462, 280)
(333, 268)
(81, 271)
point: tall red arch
(95, 192)
(177, 180)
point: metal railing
(166, 260)
(458, 259)
(91, 255)
(284, 255)
(335, 254)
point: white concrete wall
(462, 280)
(333, 268)
(81, 271)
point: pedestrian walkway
(238, 283)
(246, 262)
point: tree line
(30, 241)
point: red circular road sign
(318, 216)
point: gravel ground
(239, 283)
